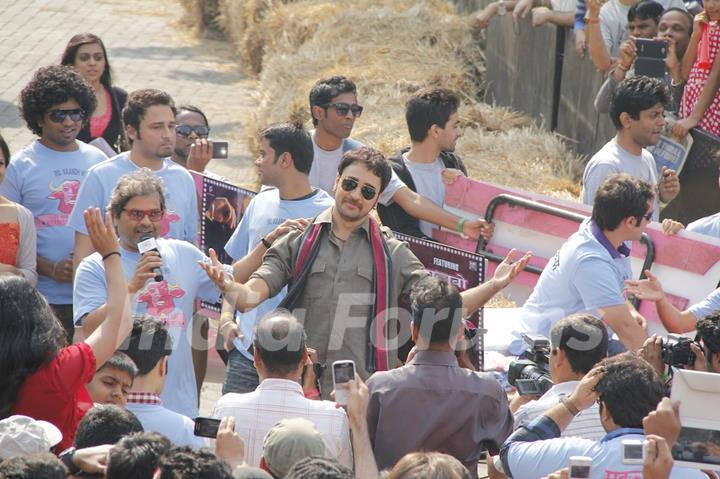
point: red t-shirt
(56, 393)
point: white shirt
(709, 225)
(428, 183)
(586, 424)
(275, 399)
(176, 427)
(611, 159)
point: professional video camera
(676, 351)
(530, 373)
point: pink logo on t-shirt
(623, 475)
(160, 301)
(170, 217)
(66, 192)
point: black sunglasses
(58, 116)
(186, 130)
(349, 184)
(342, 109)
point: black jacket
(114, 133)
(393, 216)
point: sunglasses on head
(342, 109)
(349, 184)
(186, 130)
(58, 116)
(139, 215)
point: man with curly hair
(45, 176)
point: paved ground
(148, 47)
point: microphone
(147, 243)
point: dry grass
(391, 48)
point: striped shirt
(275, 399)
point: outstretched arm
(475, 298)
(650, 289)
(244, 296)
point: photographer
(578, 342)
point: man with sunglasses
(345, 273)
(45, 176)
(334, 109)
(193, 150)
(637, 112)
(589, 271)
(149, 118)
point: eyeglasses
(139, 215)
(349, 184)
(342, 109)
(186, 130)
(649, 216)
(58, 116)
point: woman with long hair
(42, 377)
(86, 53)
(18, 237)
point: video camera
(676, 351)
(530, 373)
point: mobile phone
(650, 57)
(220, 149)
(580, 467)
(633, 451)
(342, 372)
(206, 427)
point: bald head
(280, 343)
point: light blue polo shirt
(265, 212)
(585, 274)
(710, 225)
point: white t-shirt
(612, 159)
(614, 22)
(170, 301)
(181, 211)
(586, 424)
(325, 166)
(582, 277)
(710, 225)
(264, 213)
(428, 183)
(47, 182)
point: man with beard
(637, 113)
(345, 274)
(434, 126)
(149, 119)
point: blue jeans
(240, 374)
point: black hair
(708, 329)
(436, 309)
(121, 362)
(372, 159)
(630, 388)
(35, 466)
(645, 10)
(51, 86)
(71, 49)
(147, 344)
(279, 339)
(291, 138)
(138, 103)
(30, 336)
(105, 424)
(323, 92)
(5, 151)
(636, 94)
(319, 468)
(187, 463)
(621, 196)
(685, 13)
(428, 107)
(194, 109)
(136, 455)
(583, 338)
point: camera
(530, 373)
(633, 451)
(676, 351)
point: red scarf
(377, 358)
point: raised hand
(102, 233)
(585, 395)
(216, 272)
(648, 289)
(200, 155)
(509, 268)
(144, 270)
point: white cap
(20, 435)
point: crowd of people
(103, 349)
